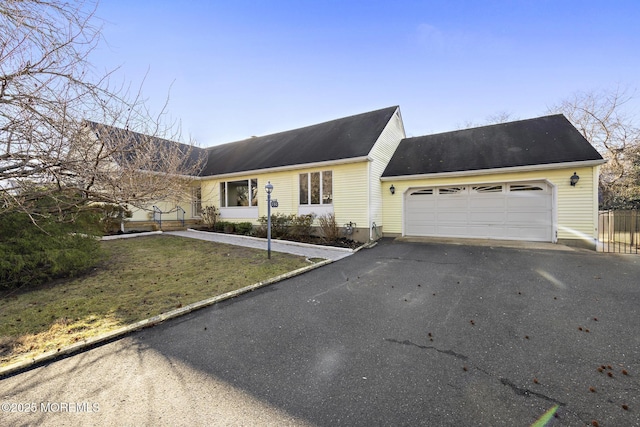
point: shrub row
(283, 226)
(244, 228)
(297, 227)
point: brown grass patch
(139, 278)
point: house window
(196, 201)
(239, 193)
(316, 188)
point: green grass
(139, 278)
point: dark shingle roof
(539, 141)
(127, 143)
(339, 139)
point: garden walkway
(303, 249)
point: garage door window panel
(423, 192)
(485, 189)
(525, 187)
(450, 190)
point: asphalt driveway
(400, 334)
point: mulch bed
(342, 242)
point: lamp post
(269, 189)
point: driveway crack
(526, 392)
(428, 347)
(517, 390)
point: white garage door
(512, 211)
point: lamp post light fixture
(392, 189)
(574, 179)
(269, 189)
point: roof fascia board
(289, 168)
(528, 168)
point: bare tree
(51, 100)
(604, 119)
(631, 194)
(492, 119)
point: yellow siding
(380, 154)
(210, 190)
(349, 191)
(146, 214)
(575, 207)
(140, 215)
(578, 206)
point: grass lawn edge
(92, 342)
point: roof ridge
(489, 125)
(119, 129)
(338, 139)
(339, 119)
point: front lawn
(139, 278)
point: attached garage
(511, 211)
(534, 180)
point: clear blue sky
(241, 68)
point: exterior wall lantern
(392, 189)
(574, 179)
(269, 189)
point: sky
(236, 68)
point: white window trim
(321, 189)
(195, 202)
(226, 194)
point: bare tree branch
(605, 121)
(51, 101)
(491, 119)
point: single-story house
(533, 179)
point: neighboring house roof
(115, 137)
(540, 141)
(345, 138)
